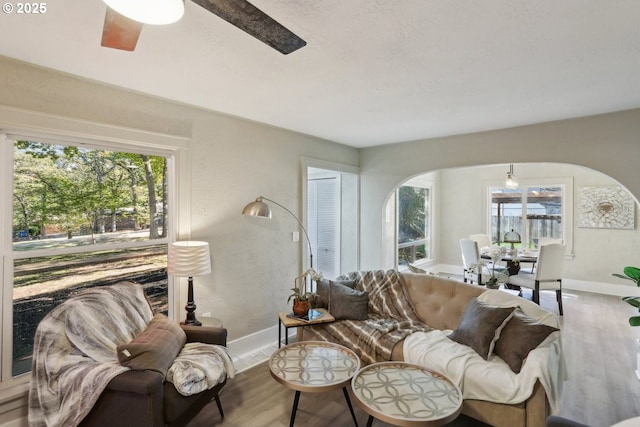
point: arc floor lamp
(260, 209)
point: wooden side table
(290, 322)
(314, 367)
(404, 394)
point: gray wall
(232, 162)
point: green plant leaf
(633, 273)
(634, 301)
(621, 276)
(634, 321)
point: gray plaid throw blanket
(74, 355)
(391, 317)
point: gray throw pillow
(155, 348)
(322, 289)
(347, 303)
(481, 325)
(519, 336)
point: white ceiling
(373, 71)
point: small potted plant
(496, 278)
(301, 304)
(633, 274)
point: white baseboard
(255, 348)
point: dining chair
(548, 274)
(545, 241)
(483, 240)
(475, 268)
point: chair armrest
(139, 382)
(131, 399)
(206, 334)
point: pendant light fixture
(512, 180)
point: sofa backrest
(439, 302)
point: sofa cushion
(481, 325)
(155, 348)
(322, 289)
(519, 336)
(347, 303)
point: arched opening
(462, 203)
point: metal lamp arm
(299, 222)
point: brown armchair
(143, 399)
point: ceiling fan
(122, 28)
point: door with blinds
(324, 223)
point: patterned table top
(313, 366)
(404, 394)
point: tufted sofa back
(439, 302)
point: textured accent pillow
(481, 325)
(519, 336)
(155, 348)
(322, 289)
(347, 303)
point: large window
(83, 215)
(535, 210)
(414, 243)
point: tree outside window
(82, 218)
(413, 224)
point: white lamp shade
(156, 12)
(189, 259)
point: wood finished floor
(600, 352)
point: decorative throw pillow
(519, 336)
(155, 348)
(481, 325)
(322, 289)
(347, 303)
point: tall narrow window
(413, 224)
(83, 217)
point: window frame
(566, 183)
(429, 221)
(19, 124)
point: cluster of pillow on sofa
(342, 300)
(506, 331)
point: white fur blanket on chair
(74, 355)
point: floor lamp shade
(189, 259)
(260, 209)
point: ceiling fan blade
(255, 22)
(120, 32)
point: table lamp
(189, 259)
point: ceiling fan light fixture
(155, 12)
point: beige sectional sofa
(440, 303)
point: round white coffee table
(315, 367)
(406, 395)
